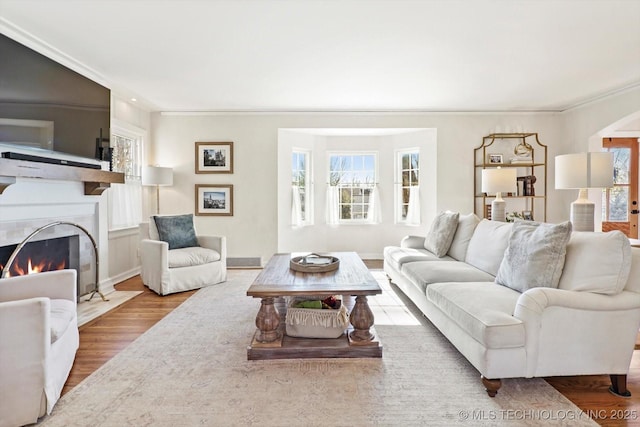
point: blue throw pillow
(177, 231)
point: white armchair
(38, 343)
(166, 271)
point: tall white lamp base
(499, 210)
(582, 215)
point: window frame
(399, 203)
(309, 193)
(138, 135)
(376, 175)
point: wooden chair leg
(491, 386)
(619, 386)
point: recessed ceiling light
(133, 99)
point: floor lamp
(499, 181)
(157, 176)
(583, 171)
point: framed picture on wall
(213, 199)
(214, 157)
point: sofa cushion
(440, 236)
(482, 309)
(62, 313)
(597, 262)
(535, 255)
(488, 244)
(466, 226)
(176, 230)
(186, 257)
(424, 273)
(397, 256)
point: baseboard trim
(244, 262)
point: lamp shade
(156, 175)
(499, 180)
(584, 170)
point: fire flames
(31, 267)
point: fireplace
(42, 255)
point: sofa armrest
(58, 284)
(217, 243)
(414, 242)
(562, 326)
(536, 300)
(25, 337)
(154, 255)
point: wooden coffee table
(277, 280)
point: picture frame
(214, 157)
(494, 158)
(527, 215)
(214, 199)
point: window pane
(414, 160)
(406, 161)
(621, 162)
(619, 204)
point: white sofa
(166, 271)
(38, 343)
(587, 325)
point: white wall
(253, 230)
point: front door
(620, 203)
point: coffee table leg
(267, 321)
(361, 318)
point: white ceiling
(341, 55)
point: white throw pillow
(535, 255)
(488, 244)
(466, 226)
(597, 262)
(440, 236)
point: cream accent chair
(38, 343)
(166, 271)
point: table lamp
(158, 176)
(499, 181)
(582, 171)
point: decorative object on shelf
(583, 171)
(214, 157)
(314, 263)
(529, 159)
(494, 159)
(157, 176)
(498, 181)
(214, 200)
(512, 216)
(523, 152)
(527, 185)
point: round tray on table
(306, 264)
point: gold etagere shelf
(525, 152)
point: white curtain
(125, 205)
(413, 211)
(374, 214)
(333, 205)
(296, 207)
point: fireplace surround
(38, 254)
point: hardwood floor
(106, 336)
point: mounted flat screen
(45, 105)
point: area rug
(96, 307)
(191, 369)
